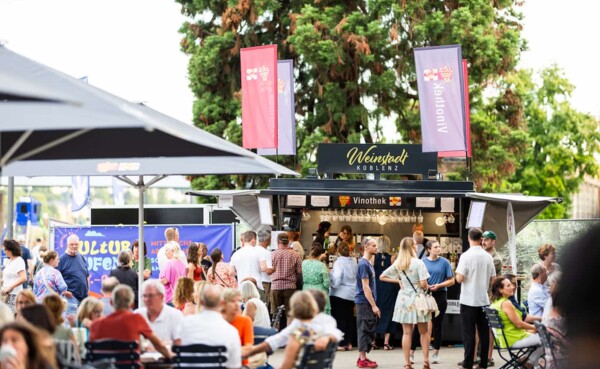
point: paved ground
(392, 359)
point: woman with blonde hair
(254, 308)
(303, 308)
(89, 310)
(173, 269)
(232, 313)
(24, 298)
(412, 275)
(183, 299)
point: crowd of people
(200, 298)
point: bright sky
(131, 47)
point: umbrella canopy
(69, 124)
(102, 134)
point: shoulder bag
(424, 302)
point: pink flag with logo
(440, 86)
(286, 119)
(259, 96)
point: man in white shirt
(266, 263)
(538, 293)
(209, 328)
(475, 272)
(172, 237)
(245, 262)
(164, 320)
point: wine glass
(413, 217)
(420, 217)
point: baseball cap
(489, 234)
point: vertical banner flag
(445, 154)
(440, 85)
(286, 119)
(118, 192)
(512, 237)
(80, 186)
(259, 97)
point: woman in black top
(125, 273)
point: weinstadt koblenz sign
(375, 158)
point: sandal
(408, 366)
(374, 346)
(426, 364)
(387, 347)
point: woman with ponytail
(219, 271)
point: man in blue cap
(488, 241)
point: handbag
(424, 302)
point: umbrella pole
(10, 193)
(141, 257)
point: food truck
(380, 204)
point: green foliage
(355, 78)
(561, 143)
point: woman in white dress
(14, 273)
(412, 275)
(254, 308)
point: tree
(562, 142)
(355, 74)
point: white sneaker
(435, 359)
(412, 358)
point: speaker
(28, 211)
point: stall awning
(244, 203)
(525, 209)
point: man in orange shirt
(125, 325)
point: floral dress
(315, 276)
(219, 274)
(304, 335)
(405, 311)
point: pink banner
(469, 152)
(259, 96)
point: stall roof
(282, 186)
(525, 209)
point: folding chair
(549, 358)
(123, 354)
(199, 356)
(276, 321)
(515, 355)
(313, 359)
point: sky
(131, 47)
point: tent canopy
(525, 209)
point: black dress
(386, 295)
(129, 277)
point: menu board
(476, 214)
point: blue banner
(101, 245)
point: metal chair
(546, 343)
(313, 359)
(516, 356)
(122, 354)
(199, 356)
